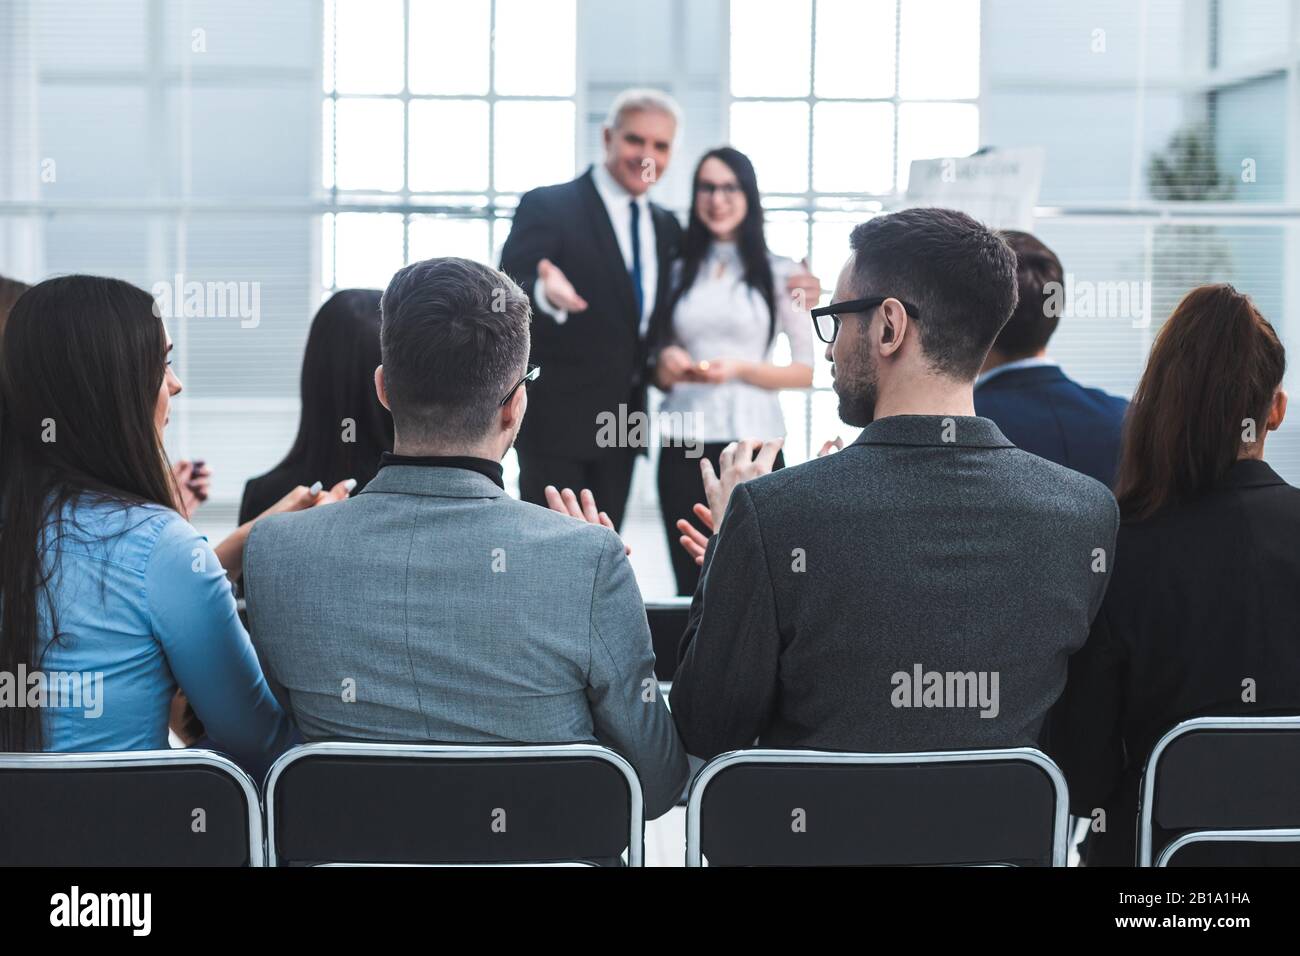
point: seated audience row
(928, 587)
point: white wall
(140, 106)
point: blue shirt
(143, 606)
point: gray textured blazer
(920, 590)
(434, 607)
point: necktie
(636, 260)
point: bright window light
(368, 141)
(534, 143)
(939, 49)
(770, 47)
(449, 46)
(775, 137)
(855, 49)
(935, 131)
(535, 47)
(369, 46)
(852, 147)
(369, 249)
(449, 145)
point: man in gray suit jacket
(923, 588)
(433, 606)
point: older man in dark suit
(923, 588)
(594, 256)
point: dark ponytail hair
(750, 240)
(338, 383)
(1216, 363)
(81, 365)
(10, 292)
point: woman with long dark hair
(100, 577)
(1202, 610)
(730, 300)
(342, 429)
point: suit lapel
(666, 251)
(663, 220)
(607, 246)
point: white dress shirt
(618, 202)
(720, 316)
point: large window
(832, 100)
(442, 113)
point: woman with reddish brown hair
(1202, 611)
(1211, 392)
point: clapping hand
(581, 507)
(692, 541)
(740, 461)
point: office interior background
(295, 147)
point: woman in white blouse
(728, 304)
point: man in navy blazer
(1035, 404)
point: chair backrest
(134, 808)
(431, 804)
(1211, 777)
(667, 617)
(815, 808)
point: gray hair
(637, 100)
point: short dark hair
(1032, 323)
(960, 276)
(453, 340)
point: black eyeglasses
(534, 372)
(708, 189)
(826, 320)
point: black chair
(432, 804)
(1223, 791)
(816, 808)
(667, 617)
(135, 808)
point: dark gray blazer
(434, 607)
(920, 590)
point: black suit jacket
(928, 543)
(597, 360)
(1201, 598)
